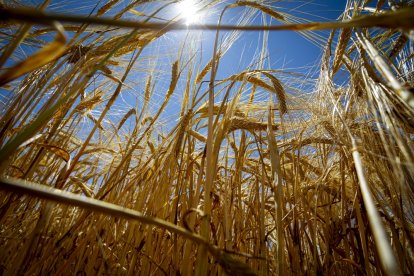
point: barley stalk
(116, 158)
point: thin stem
(403, 19)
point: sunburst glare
(189, 11)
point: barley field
(159, 138)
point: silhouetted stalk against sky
(401, 19)
(210, 169)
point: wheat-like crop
(120, 154)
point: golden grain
(324, 188)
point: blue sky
(286, 50)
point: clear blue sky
(287, 50)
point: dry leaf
(56, 150)
(47, 54)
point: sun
(189, 12)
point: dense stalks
(118, 156)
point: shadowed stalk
(380, 236)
